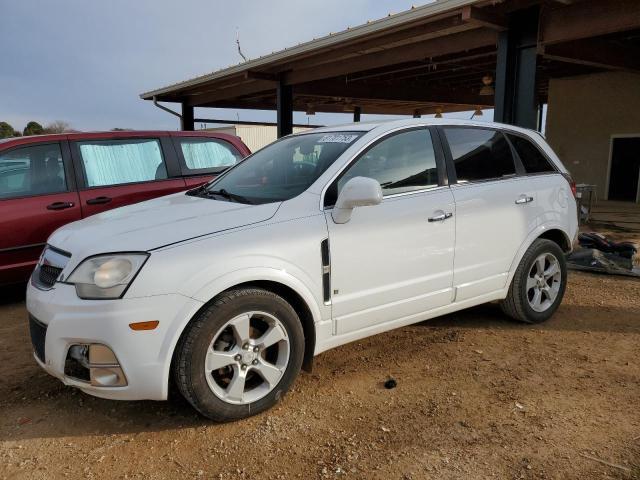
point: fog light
(108, 377)
(94, 363)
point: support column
(186, 120)
(284, 104)
(515, 98)
(356, 114)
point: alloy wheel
(247, 358)
(543, 282)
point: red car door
(202, 157)
(119, 171)
(37, 195)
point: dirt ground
(477, 396)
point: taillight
(572, 184)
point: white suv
(317, 240)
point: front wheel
(239, 356)
(539, 283)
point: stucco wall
(583, 112)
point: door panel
(95, 200)
(34, 201)
(199, 180)
(27, 223)
(389, 262)
(490, 228)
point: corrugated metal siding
(255, 137)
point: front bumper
(144, 356)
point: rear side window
(479, 154)
(208, 154)
(34, 170)
(401, 163)
(114, 162)
(532, 158)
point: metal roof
(367, 29)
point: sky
(87, 61)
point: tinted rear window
(479, 154)
(530, 155)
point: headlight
(106, 276)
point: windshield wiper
(197, 191)
(229, 196)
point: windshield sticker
(338, 138)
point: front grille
(38, 333)
(50, 266)
(47, 275)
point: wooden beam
(253, 75)
(237, 90)
(483, 18)
(394, 93)
(589, 18)
(595, 53)
(418, 51)
(381, 108)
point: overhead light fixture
(310, 109)
(438, 112)
(487, 86)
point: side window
(530, 155)
(208, 153)
(114, 162)
(479, 154)
(404, 162)
(34, 170)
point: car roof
(56, 137)
(389, 125)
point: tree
(58, 126)
(6, 130)
(33, 128)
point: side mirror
(357, 192)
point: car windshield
(282, 170)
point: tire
(522, 302)
(216, 336)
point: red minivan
(49, 180)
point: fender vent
(326, 270)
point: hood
(156, 223)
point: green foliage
(59, 126)
(6, 130)
(33, 128)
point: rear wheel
(539, 283)
(240, 355)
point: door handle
(441, 217)
(98, 200)
(60, 205)
(524, 199)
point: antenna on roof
(238, 43)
